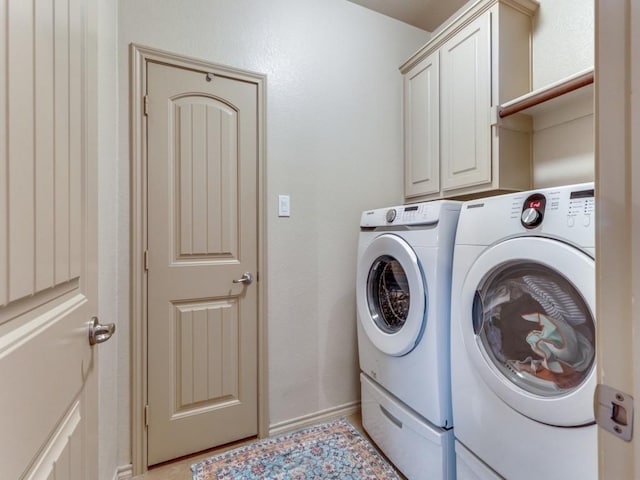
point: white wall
(563, 39)
(563, 44)
(333, 143)
(107, 237)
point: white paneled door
(202, 162)
(48, 427)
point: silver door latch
(614, 411)
(98, 332)
(246, 278)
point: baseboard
(327, 415)
(124, 472)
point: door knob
(99, 333)
(246, 278)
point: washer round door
(529, 328)
(391, 295)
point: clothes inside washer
(537, 328)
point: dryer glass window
(388, 294)
(535, 327)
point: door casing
(139, 57)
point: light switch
(284, 206)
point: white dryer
(523, 336)
(403, 290)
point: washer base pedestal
(417, 449)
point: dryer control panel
(575, 207)
(582, 206)
(564, 212)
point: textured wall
(333, 143)
(563, 39)
(563, 44)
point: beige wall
(110, 419)
(333, 144)
(563, 39)
(563, 141)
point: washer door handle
(477, 313)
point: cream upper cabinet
(422, 127)
(454, 144)
(466, 101)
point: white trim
(320, 416)
(123, 472)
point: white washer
(403, 288)
(523, 335)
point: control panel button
(586, 221)
(530, 216)
(391, 215)
(571, 221)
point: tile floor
(181, 468)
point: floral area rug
(332, 450)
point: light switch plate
(284, 206)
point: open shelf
(551, 96)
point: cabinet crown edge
(453, 25)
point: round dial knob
(531, 217)
(391, 215)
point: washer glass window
(535, 327)
(388, 294)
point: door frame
(617, 150)
(139, 56)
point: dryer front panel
(529, 328)
(391, 295)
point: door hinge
(146, 104)
(145, 260)
(146, 415)
(614, 411)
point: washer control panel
(425, 213)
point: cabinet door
(422, 128)
(466, 102)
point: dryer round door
(391, 295)
(529, 328)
